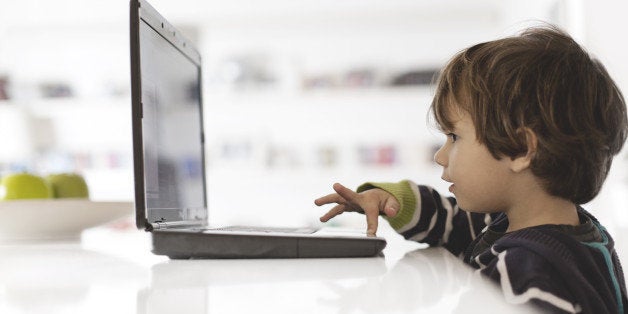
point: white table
(111, 271)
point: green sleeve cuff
(402, 191)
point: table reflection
(61, 278)
(57, 278)
(426, 280)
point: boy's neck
(541, 209)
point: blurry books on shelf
(61, 91)
(61, 161)
(116, 89)
(245, 71)
(378, 155)
(327, 156)
(55, 90)
(323, 81)
(357, 78)
(376, 77)
(255, 71)
(236, 151)
(282, 157)
(415, 77)
(277, 156)
(4, 88)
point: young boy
(532, 124)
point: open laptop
(169, 161)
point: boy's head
(541, 81)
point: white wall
(86, 43)
(604, 26)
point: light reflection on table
(96, 276)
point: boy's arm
(427, 217)
(534, 282)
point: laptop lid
(167, 118)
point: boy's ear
(523, 161)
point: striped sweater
(559, 268)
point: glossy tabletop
(112, 271)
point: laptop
(169, 161)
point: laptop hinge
(160, 225)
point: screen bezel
(142, 12)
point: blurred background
(298, 94)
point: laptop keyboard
(302, 230)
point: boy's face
(480, 182)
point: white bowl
(56, 219)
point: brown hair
(541, 80)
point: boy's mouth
(451, 187)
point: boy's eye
(453, 137)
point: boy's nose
(440, 157)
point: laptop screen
(171, 126)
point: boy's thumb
(391, 208)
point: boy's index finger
(347, 194)
(371, 224)
(352, 199)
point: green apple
(24, 186)
(68, 185)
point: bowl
(56, 219)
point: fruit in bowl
(68, 185)
(24, 186)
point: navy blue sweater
(559, 268)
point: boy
(532, 124)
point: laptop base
(190, 244)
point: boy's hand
(370, 202)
